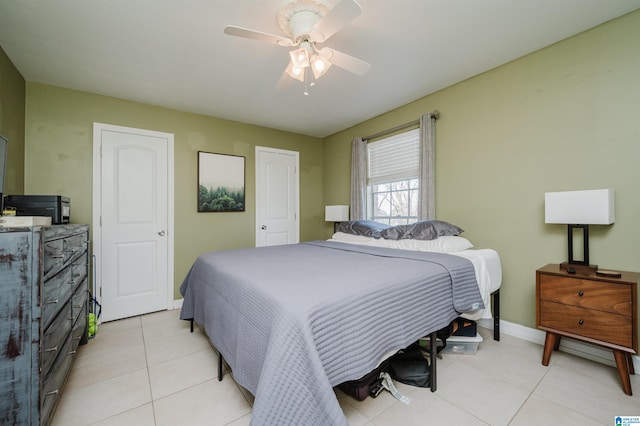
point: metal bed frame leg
(220, 358)
(433, 384)
(496, 314)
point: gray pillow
(367, 228)
(423, 230)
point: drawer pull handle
(55, 392)
(581, 322)
(52, 302)
(581, 293)
(57, 256)
(72, 353)
(54, 349)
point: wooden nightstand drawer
(597, 308)
(587, 322)
(607, 297)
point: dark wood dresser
(44, 292)
(596, 309)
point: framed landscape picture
(220, 182)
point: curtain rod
(435, 113)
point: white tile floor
(151, 370)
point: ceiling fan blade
(257, 35)
(344, 61)
(341, 14)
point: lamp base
(585, 269)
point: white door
(277, 197)
(135, 224)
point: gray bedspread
(293, 321)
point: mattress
(486, 262)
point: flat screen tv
(3, 166)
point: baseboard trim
(571, 346)
(177, 304)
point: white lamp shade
(336, 213)
(592, 207)
(295, 72)
(319, 66)
(299, 58)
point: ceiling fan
(308, 23)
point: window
(393, 167)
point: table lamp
(336, 214)
(579, 209)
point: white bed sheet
(486, 263)
(488, 274)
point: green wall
(12, 91)
(59, 149)
(564, 118)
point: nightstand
(592, 308)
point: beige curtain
(427, 206)
(357, 209)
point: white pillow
(445, 244)
(343, 237)
(449, 244)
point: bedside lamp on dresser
(575, 299)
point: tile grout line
(564, 407)
(132, 408)
(146, 361)
(528, 396)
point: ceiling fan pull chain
(306, 81)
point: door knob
(263, 227)
(161, 232)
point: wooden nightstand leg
(632, 369)
(623, 370)
(549, 345)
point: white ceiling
(173, 53)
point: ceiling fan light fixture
(300, 58)
(319, 66)
(306, 24)
(295, 72)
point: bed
(485, 261)
(294, 321)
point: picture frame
(221, 182)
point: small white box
(22, 221)
(463, 345)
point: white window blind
(394, 158)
